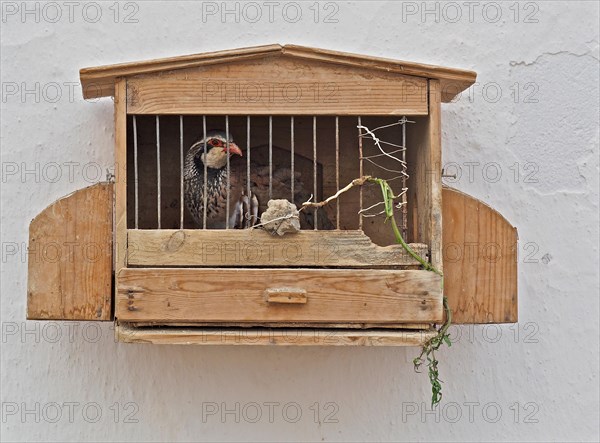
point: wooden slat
(237, 295)
(452, 81)
(290, 324)
(434, 174)
(99, 81)
(280, 337)
(277, 85)
(480, 261)
(424, 186)
(120, 175)
(70, 257)
(196, 247)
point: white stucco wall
(537, 380)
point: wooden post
(434, 173)
(120, 175)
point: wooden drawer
(242, 295)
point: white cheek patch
(215, 158)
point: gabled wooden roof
(99, 81)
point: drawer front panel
(185, 295)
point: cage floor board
(271, 336)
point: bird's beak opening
(233, 149)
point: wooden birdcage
(321, 118)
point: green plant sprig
(442, 336)
(433, 344)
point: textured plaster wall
(537, 380)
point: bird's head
(216, 149)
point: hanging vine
(442, 337)
(429, 348)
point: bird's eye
(215, 142)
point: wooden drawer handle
(286, 295)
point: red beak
(233, 149)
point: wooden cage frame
(347, 306)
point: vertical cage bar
(315, 187)
(270, 156)
(360, 172)
(135, 172)
(337, 170)
(293, 200)
(205, 184)
(228, 192)
(181, 171)
(248, 190)
(404, 189)
(158, 170)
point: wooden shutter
(70, 257)
(480, 261)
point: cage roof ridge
(99, 81)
